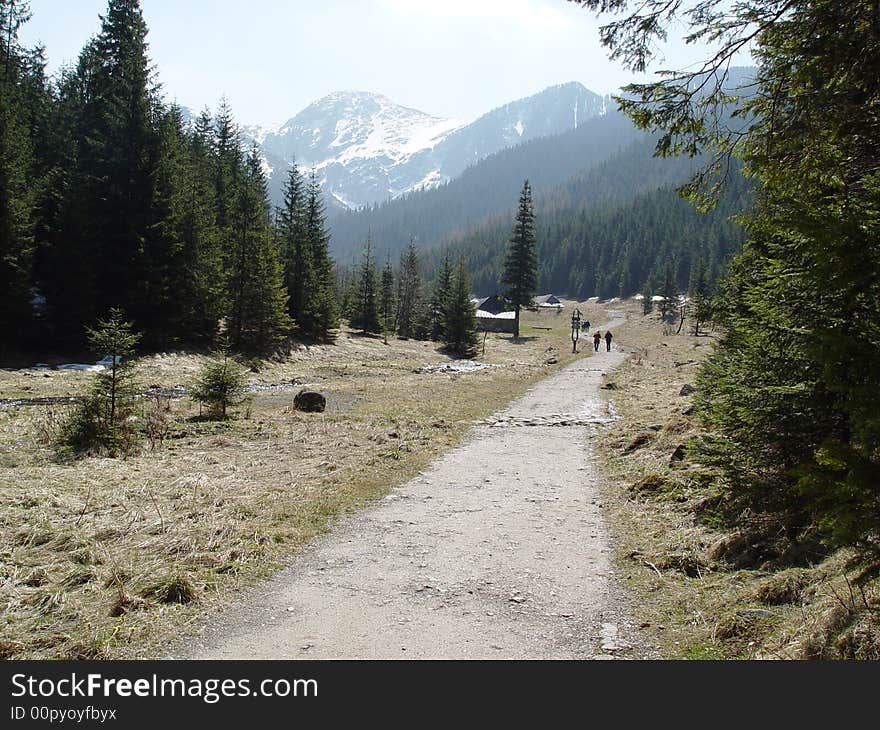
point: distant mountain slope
(485, 189)
(367, 149)
(605, 232)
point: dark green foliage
(108, 199)
(605, 232)
(22, 92)
(220, 384)
(299, 270)
(323, 296)
(387, 300)
(459, 316)
(258, 321)
(701, 305)
(435, 323)
(520, 274)
(409, 291)
(185, 267)
(669, 292)
(792, 394)
(365, 299)
(110, 207)
(105, 421)
(647, 298)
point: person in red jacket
(597, 338)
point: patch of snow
(520, 128)
(456, 366)
(342, 201)
(482, 314)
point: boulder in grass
(309, 401)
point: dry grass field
(708, 590)
(109, 558)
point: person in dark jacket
(608, 337)
(597, 338)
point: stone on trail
(309, 401)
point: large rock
(310, 401)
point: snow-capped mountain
(366, 149)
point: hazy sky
(271, 58)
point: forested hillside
(108, 200)
(608, 231)
(483, 190)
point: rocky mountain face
(367, 149)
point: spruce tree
(258, 322)
(669, 292)
(228, 159)
(365, 307)
(647, 298)
(409, 287)
(442, 287)
(387, 303)
(17, 195)
(104, 422)
(791, 394)
(323, 295)
(221, 383)
(699, 295)
(521, 265)
(459, 316)
(118, 153)
(184, 265)
(304, 287)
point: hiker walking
(608, 337)
(597, 338)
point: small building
(494, 304)
(493, 315)
(548, 300)
(501, 322)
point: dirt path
(498, 550)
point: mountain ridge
(366, 148)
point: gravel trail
(497, 550)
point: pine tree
(387, 303)
(323, 296)
(699, 295)
(118, 154)
(303, 286)
(104, 421)
(647, 298)
(228, 159)
(442, 288)
(184, 265)
(409, 286)
(17, 195)
(258, 322)
(220, 384)
(669, 292)
(459, 316)
(365, 312)
(521, 266)
(791, 393)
